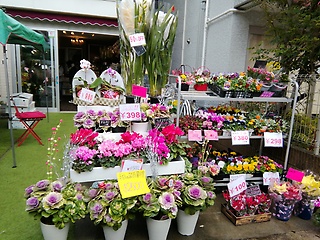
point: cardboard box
(257, 218)
(22, 99)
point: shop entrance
(101, 50)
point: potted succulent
(107, 208)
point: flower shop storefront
(114, 172)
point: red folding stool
(30, 120)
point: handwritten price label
(130, 112)
(211, 135)
(132, 183)
(273, 139)
(137, 39)
(237, 186)
(87, 95)
(236, 176)
(270, 177)
(240, 138)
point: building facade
(211, 33)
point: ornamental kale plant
(55, 202)
(106, 206)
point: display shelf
(211, 96)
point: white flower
(84, 64)
(169, 21)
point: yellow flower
(233, 153)
(251, 167)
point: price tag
(130, 112)
(295, 175)
(211, 135)
(270, 177)
(253, 190)
(87, 95)
(131, 165)
(240, 137)
(132, 183)
(237, 186)
(267, 94)
(104, 123)
(236, 176)
(273, 139)
(139, 91)
(137, 39)
(194, 135)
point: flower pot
(265, 87)
(304, 210)
(139, 127)
(50, 232)
(187, 223)
(283, 212)
(111, 234)
(158, 229)
(201, 87)
(184, 86)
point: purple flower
(110, 195)
(42, 184)
(178, 184)
(32, 203)
(52, 200)
(89, 123)
(96, 210)
(79, 117)
(28, 190)
(211, 195)
(166, 200)
(147, 197)
(93, 193)
(57, 186)
(196, 192)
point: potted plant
(160, 205)
(202, 78)
(117, 125)
(107, 208)
(187, 79)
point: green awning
(13, 32)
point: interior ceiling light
(92, 35)
(64, 32)
(72, 33)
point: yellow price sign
(132, 183)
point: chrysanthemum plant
(56, 202)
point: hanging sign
(240, 137)
(130, 112)
(139, 91)
(87, 95)
(273, 139)
(132, 183)
(270, 177)
(211, 135)
(295, 175)
(237, 186)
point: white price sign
(240, 137)
(273, 139)
(237, 186)
(87, 95)
(137, 39)
(130, 112)
(270, 177)
(236, 176)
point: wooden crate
(245, 219)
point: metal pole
(179, 99)
(291, 124)
(9, 105)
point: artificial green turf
(15, 222)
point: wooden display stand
(265, 217)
